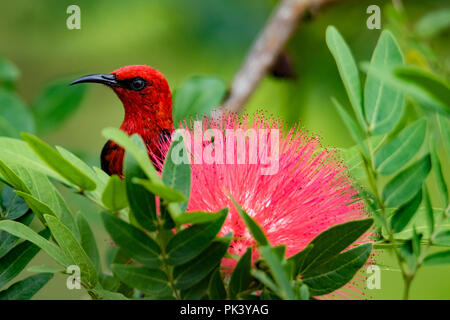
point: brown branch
(267, 47)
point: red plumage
(148, 112)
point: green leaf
(299, 258)
(439, 176)
(108, 282)
(150, 281)
(351, 127)
(197, 217)
(16, 153)
(99, 176)
(437, 88)
(26, 172)
(9, 241)
(134, 146)
(428, 209)
(22, 231)
(383, 104)
(55, 104)
(216, 288)
(337, 272)
(241, 277)
(12, 206)
(278, 271)
(15, 112)
(44, 194)
(114, 196)
(72, 248)
(332, 241)
(17, 259)
(142, 202)
(442, 238)
(177, 176)
(265, 280)
(405, 185)
(252, 225)
(395, 154)
(444, 129)
(198, 291)
(190, 242)
(12, 178)
(166, 193)
(303, 293)
(58, 163)
(347, 70)
(27, 288)
(108, 295)
(45, 269)
(416, 243)
(404, 214)
(433, 22)
(38, 207)
(437, 258)
(8, 71)
(166, 216)
(88, 242)
(412, 90)
(353, 159)
(133, 241)
(195, 270)
(197, 96)
(421, 223)
(407, 252)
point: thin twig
(267, 47)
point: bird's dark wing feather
(112, 154)
(111, 158)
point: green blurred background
(184, 38)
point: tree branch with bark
(280, 27)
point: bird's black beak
(106, 79)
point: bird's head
(143, 90)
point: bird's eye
(138, 84)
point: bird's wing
(111, 158)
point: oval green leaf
(114, 195)
(22, 231)
(150, 281)
(133, 241)
(404, 186)
(189, 274)
(190, 242)
(73, 249)
(393, 155)
(347, 69)
(383, 104)
(58, 163)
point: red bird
(147, 101)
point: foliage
(401, 154)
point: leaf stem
(166, 266)
(372, 178)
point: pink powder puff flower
(310, 192)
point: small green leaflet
(383, 104)
(405, 185)
(58, 163)
(393, 155)
(347, 70)
(190, 242)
